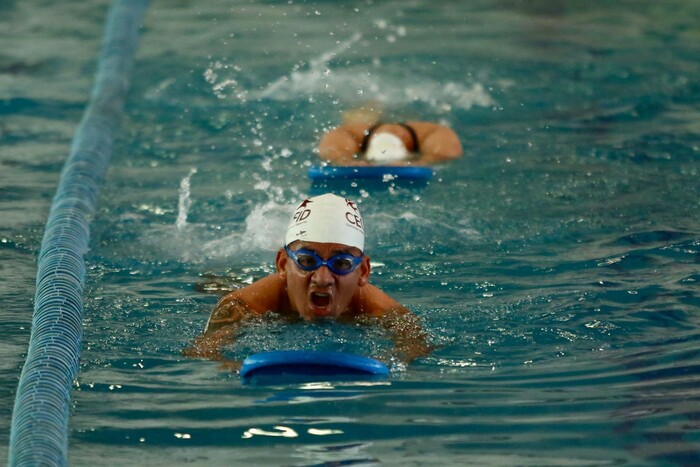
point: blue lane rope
(39, 430)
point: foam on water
(263, 233)
(323, 75)
(318, 68)
(395, 218)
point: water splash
(318, 67)
(381, 83)
(263, 234)
(387, 83)
(184, 200)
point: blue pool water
(555, 266)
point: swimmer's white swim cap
(327, 219)
(386, 147)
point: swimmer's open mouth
(320, 300)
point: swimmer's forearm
(440, 145)
(410, 340)
(220, 330)
(409, 349)
(339, 146)
(209, 346)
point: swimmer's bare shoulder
(233, 308)
(256, 299)
(372, 301)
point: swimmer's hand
(209, 346)
(233, 366)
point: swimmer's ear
(364, 271)
(281, 260)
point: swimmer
(364, 139)
(322, 273)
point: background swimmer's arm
(437, 143)
(341, 144)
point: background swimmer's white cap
(327, 219)
(386, 147)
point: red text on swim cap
(301, 215)
(354, 219)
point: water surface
(555, 266)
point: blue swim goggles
(308, 260)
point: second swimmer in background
(364, 139)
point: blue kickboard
(310, 364)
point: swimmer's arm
(221, 329)
(340, 145)
(437, 143)
(230, 313)
(410, 340)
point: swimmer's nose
(322, 276)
